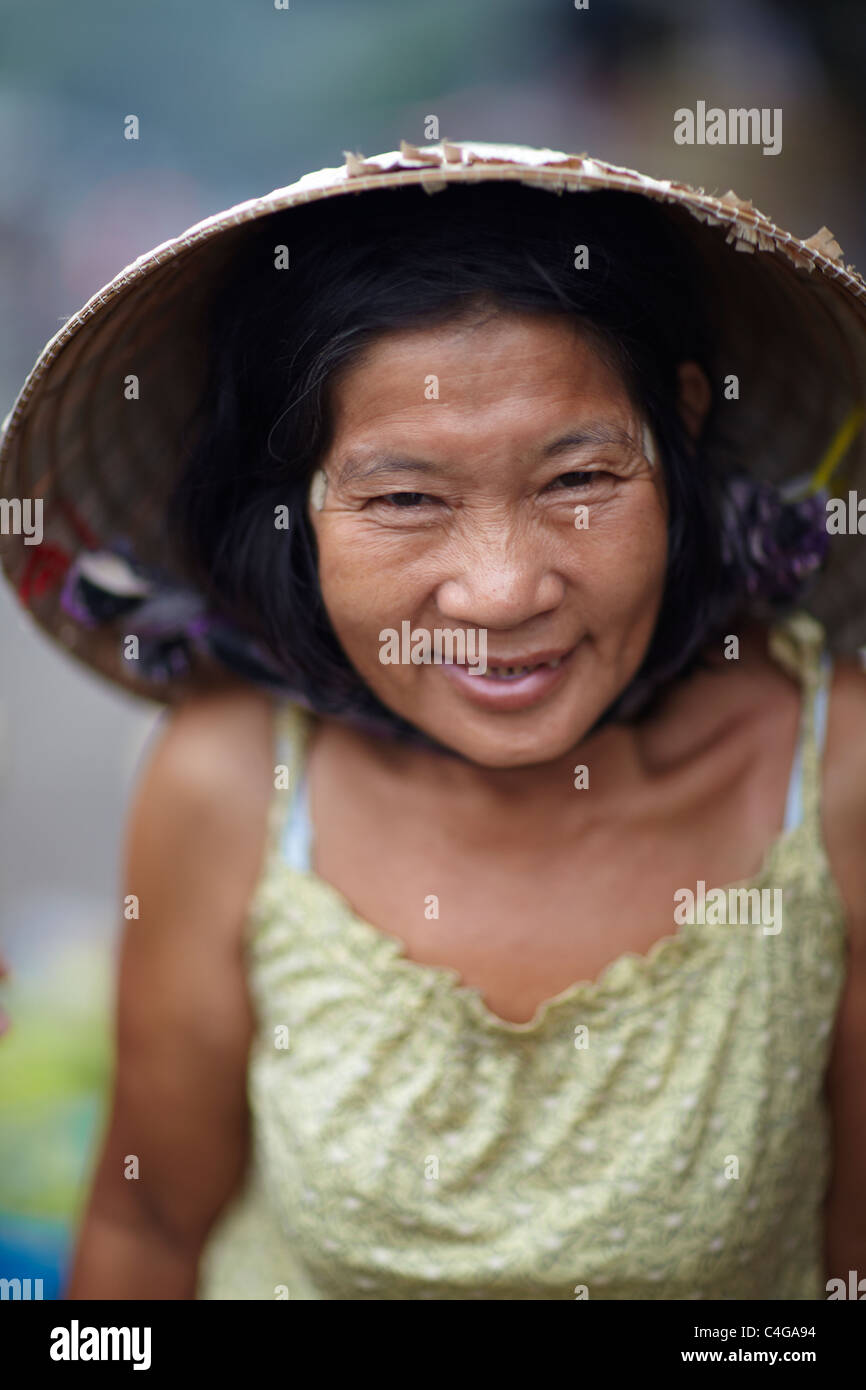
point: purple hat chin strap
(169, 621)
(771, 547)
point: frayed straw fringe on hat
(788, 319)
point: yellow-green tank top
(659, 1133)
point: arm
(845, 1210)
(183, 1016)
(845, 835)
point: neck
(613, 755)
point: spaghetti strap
(799, 645)
(813, 755)
(292, 819)
(822, 701)
(297, 840)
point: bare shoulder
(844, 787)
(199, 810)
(844, 824)
(845, 761)
(843, 772)
(212, 740)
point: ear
(694, 396)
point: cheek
(361, 589)
(620, 559)
(361, 564)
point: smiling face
(451, 505)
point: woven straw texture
(788, 318)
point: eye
(578, 479)
(403, 500)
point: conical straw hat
(788, 318)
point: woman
(539, 980)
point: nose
(500, 578)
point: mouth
(512, 684)
(514, 670)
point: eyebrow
(359, 467)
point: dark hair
(362, 265)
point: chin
(500, 743)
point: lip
(513, 694)
(529, 658)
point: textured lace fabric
(409, 1144)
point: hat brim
(788, 319)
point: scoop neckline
(629, 966)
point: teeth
(509, 672)
(514, 672)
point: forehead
(506, 369)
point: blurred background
(236, 98)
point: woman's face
(490, 479)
